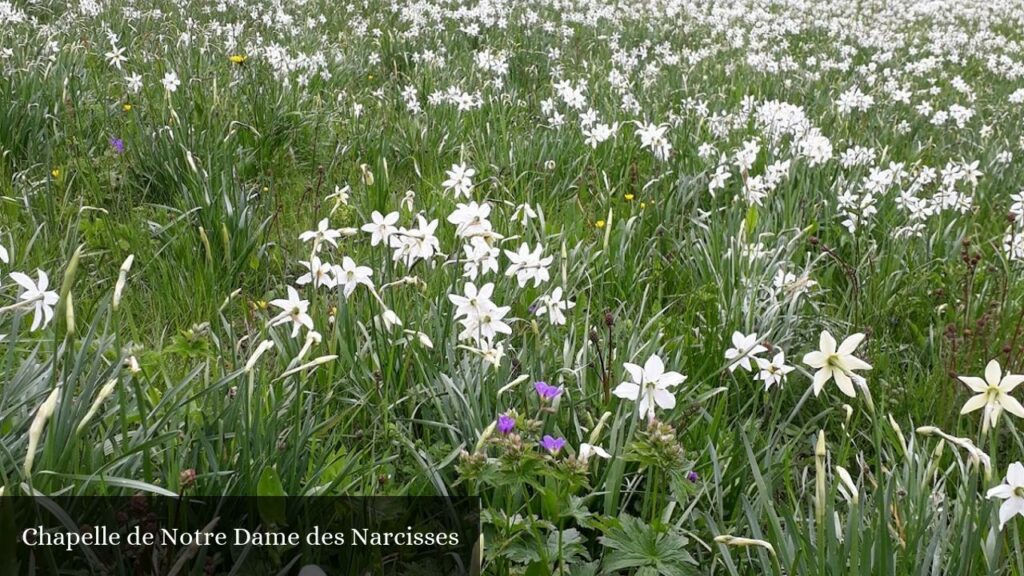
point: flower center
(1019, 491)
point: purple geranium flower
(506, 423)
(547, 391)
(551, 444)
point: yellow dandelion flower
(238, 58)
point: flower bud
(736, 541)
(819, 468)
(263, 347)
(35, 431)
(122, 278)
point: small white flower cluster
(483, 321)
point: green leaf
(566, 546)
(538, 569)
(650, 550)
(271, 497)
(750, 223)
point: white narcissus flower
(649, 386)
(133, 82)
(115, 57)
(492, 353)
(588, 450)
(523, 213)
(483, 325)
(348, 276)
(652, 136)
(527, 265)
(838, 363)
(323, 233)
(460, 180)
(171, 81)
(475, 300)
(319, 274)
(35, 293)
(417, 243)
(774, 371)
(294, 310)
(471, 219)
(554, 306)
(1011, 492)
(340, 194)
(744, 349)
(390, 319)
(599, 133)
(381, 227)
(993, 394)
(480, 258)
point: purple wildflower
(547, 391)
(692, 476)
(506, 423)
(552, 445)
(117, 144)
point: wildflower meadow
(675, 287)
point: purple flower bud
(506, 423)
(692, 476)
(552, 445)
(547, 391)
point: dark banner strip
(307, 536)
